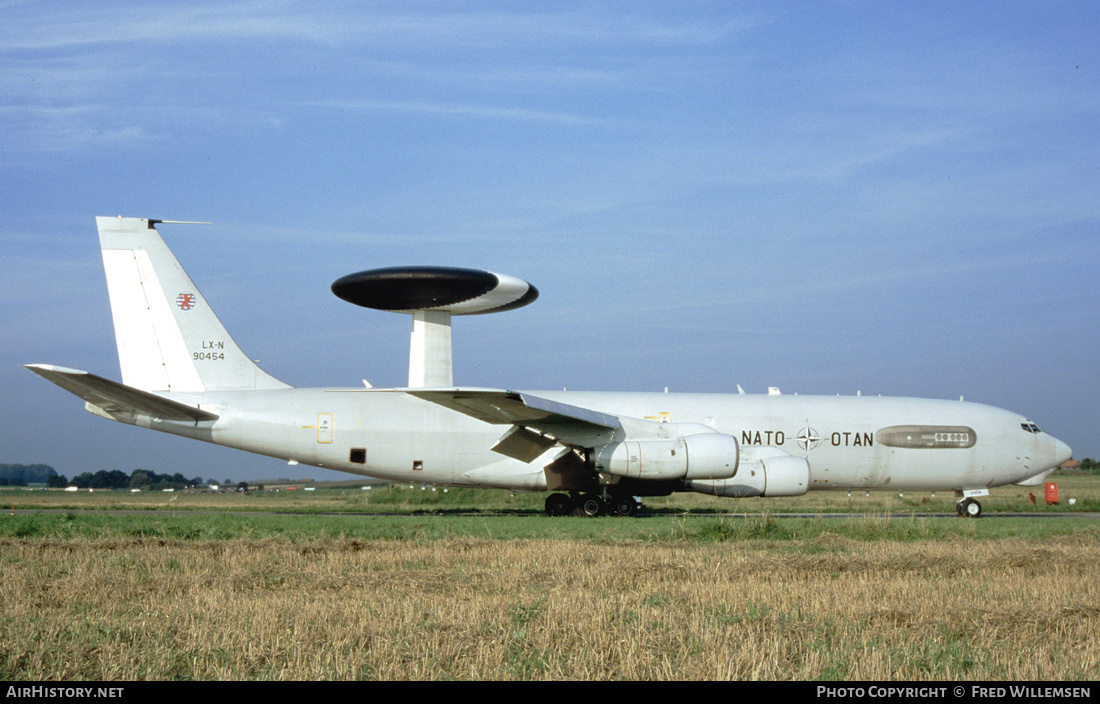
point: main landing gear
(591, 505)
(968, 508)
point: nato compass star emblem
(808, 439)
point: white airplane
(597, 452)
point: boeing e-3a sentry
(594, 452)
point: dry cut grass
(832, 608)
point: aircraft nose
(1062, 452)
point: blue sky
(828, 197)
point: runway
(642, 515)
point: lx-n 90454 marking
(593, 452)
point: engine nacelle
(778, 474)
(701, 456)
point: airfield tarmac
(642, 515)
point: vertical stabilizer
(168, 338)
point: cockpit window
(1030, 427)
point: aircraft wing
(538, 423)
(113, 397)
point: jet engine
(766, 472)
(708, 455)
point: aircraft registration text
(208, 354)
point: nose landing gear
(968, 508)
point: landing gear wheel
(590, 506)
(625, 506)
(559, 505)
(969, 508)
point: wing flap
(113, 397)
(570, 425)
(523, 444)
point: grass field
(227, 588)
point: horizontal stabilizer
(113, 397)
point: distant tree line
(25, 474)
(138, 479)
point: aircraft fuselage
(854, 442)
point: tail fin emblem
(186, 301)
